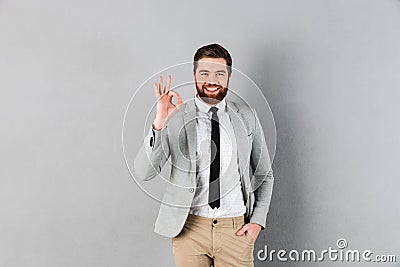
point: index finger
(175, 94)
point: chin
(212, 98)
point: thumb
(242, 230)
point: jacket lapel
(189, 120)
(240, 133)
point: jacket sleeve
(263, 179)
(153, 154)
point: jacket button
(191, 190)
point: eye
(205, 74)
(221, 74)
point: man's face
(212, 79)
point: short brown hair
(213, 51)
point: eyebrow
(224, 71)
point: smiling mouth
(212, 89)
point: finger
(175, 94)
(169, 98)
(155, 85)
(161, 85)
(167, 86)
(179, 100)
(242, 230)
(158, 85)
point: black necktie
(213, 196)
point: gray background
(329, 70)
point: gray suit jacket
(177, 142)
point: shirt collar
(204, 107)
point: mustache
(212, 86)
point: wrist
(257, 225)
(158, 124)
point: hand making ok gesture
(165, 108)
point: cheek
(200, 84)
(200, 80)
(224, 82)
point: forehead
(211, 64)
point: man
(221, 181)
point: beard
(211, 93)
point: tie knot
(214, 110)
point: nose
(212, 79)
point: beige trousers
(205, 241)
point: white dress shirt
(231, 197)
